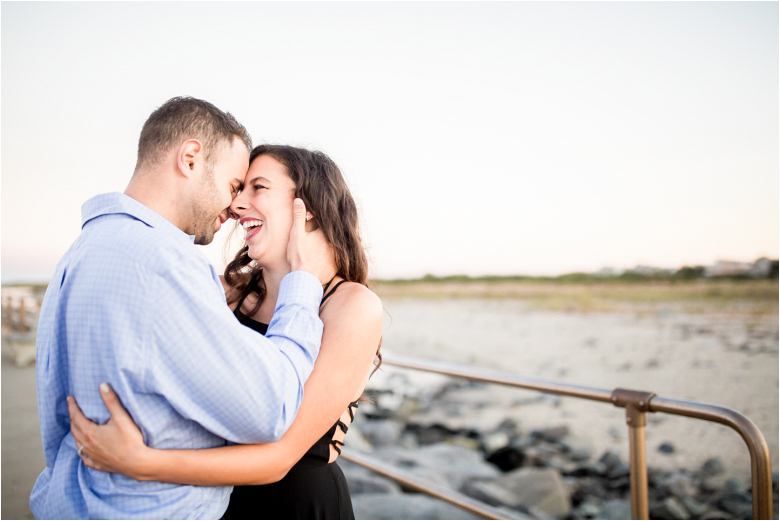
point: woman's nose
(237, 206)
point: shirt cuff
(300, 287)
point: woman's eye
(258, 187)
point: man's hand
(309, 251)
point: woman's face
(265, 210)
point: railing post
(7, 310)
(636, 404)
(22, 316)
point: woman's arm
(353, 325)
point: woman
(296, 477)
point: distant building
(763, 268)
(724, 268)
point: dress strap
(337, 445)
(329, 293)
(344, 427)
(351, 412)
(325, 288)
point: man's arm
(234, 382)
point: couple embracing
(162, 385)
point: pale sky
(531, 138)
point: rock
(712, 467)
(508, 458)
(666, 448)
(441, 463)
(551, 434)
(408, 441)
(509, 427)
(672, 508)
(540, 454)
(561, 463)
(714, 513)
(372, 485)
(620, 470)
(713, 483)
(696, 508)
(620, 484)
(490, 493)
(495, 441)
(615, 509)
(579, 454)
(540, 489)
(610, 460)
(590, 510)
(735, 485)
(589, 468)
(680, 485)
(381, 432)
(406, 506)
(739, 505)
(464, 441)
(430, 434)
(586, 489)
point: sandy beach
(689, 348)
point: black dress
(312, 489)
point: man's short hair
(183, 118)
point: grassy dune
(758, 297)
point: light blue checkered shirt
(135, 304)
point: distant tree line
(686, 273)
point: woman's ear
(311, 224)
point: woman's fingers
(115, 408)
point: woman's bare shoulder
(354, 300)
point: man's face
(217, 188)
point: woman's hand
(117, 446)
(309, 250)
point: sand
(22, 452)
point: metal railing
(636, 403)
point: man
(134, 304)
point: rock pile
(530, 475)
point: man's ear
(189, 157)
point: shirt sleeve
(236, 383)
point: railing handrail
(432, 489)
(636, 403)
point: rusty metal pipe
(760, 462)
(500, 377)
(638, 469)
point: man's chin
(204, 240)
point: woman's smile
(252, 226)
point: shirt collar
(117, 203)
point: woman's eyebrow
(260, 179)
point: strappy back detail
(337, 444)
(327, 293)
(319, 453)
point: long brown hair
(318, 181)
